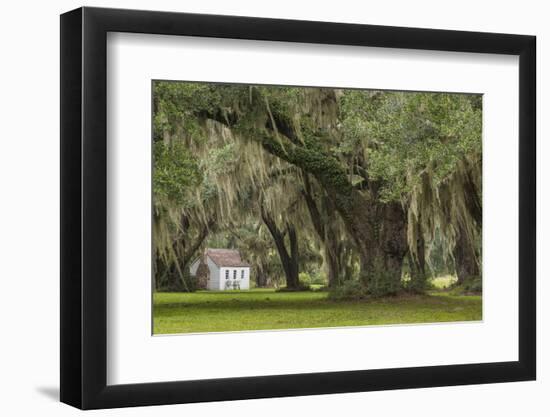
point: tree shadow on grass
(274, 303)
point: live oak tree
(434, 167)
(184, 209)
(181, 222)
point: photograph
(303, 207)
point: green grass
(261, 309)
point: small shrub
(319, 278)
(429, 286)
(186, 283)
(471, 285)
(383, 283)
(349, 290)
(442, 283)
(316, 278)
(416, 285)
(305, 279)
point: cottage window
(242, 273)
(234, 274)
(226, 274)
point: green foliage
(176, 173)
(404, 134)
(305, 279)
(313, 278)
(175, 105)
(221, 160)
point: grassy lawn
(260, 309)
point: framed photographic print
(256, 208)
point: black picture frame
(84, 207)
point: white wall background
(29, 237)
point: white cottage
(221, 269)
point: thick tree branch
(314, 212)
(203, 233)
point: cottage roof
(226, 257)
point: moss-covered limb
(225, 117)
(280, 137)
(254, 112)
(325, 168)
(190, 249)
(279, 123)
(352, 206)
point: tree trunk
(382, 256)
(179, 277)
(466, 264)
(160, 272)
(417, 260)
(332, 261)
(261, 276)
(347, 262)
(292, 277)
(465, 253)
(289, 258)
(322, 218)
(175, 280)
